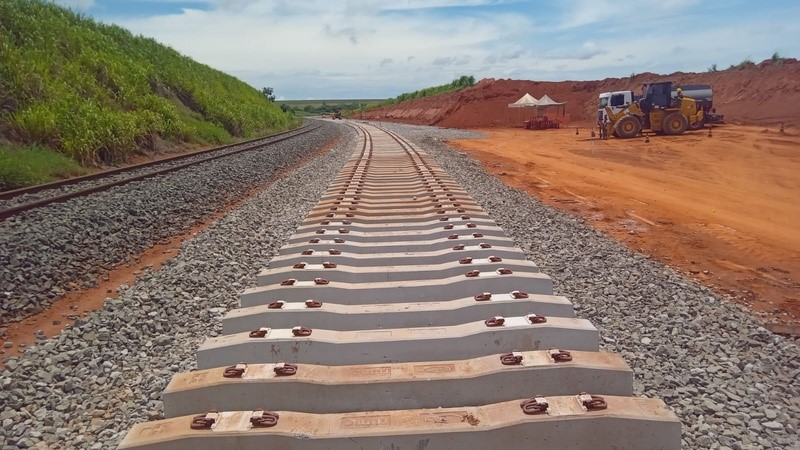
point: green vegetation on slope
(97, 93)
(34, 165)
(456, 85)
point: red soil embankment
(764, 94)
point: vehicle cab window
(618, 100)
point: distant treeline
(324, 107)
(459, 83)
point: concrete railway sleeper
(400, 316)
(316, 314)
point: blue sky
(376, 49)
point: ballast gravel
(734, 384)
(67, 246)
(86, 387)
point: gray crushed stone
(67, 246)
(734, 384)
(86, 387)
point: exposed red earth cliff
(763, 94)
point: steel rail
(252, 144)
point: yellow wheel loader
(655, 110)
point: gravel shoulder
(734, 384)
(68, 246)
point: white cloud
(366, 48)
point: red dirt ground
(725, 210)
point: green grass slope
(97, 94)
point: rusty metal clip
(356, 198)
(320, 231)
(338, 241)
(276, 304)
(449, 226)
(307, 252)
(496, 321)
(337, 203)
(313, 241)
(452, 236)
(472, 225)
(300, 265)
(285, 370)
(473, 273)
(264, 419)
(534, 406)
(464, 217)
(459, 247)
(310, 303)
(347, 222)
(325, 222)
(301, 331)
(204, 421)
(234, 371)
(511, 359)
(343, 231)
(320, 281)
(438, 205)
(504, 271)
(559, 355)
(259, 333)
(349, 215)
(495, 259)
(330, 215)
(333, 251)
(592, 402)
(461, 211)
(352, 208)
(485, 245)
(477, 235)
(519, 294)
(443, 219)
(465, 260)
(288, 282)
(329, 265)
(441, 211)
(534, 319)
(457, 205)
(483, 297)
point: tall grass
(28, 166)
(97, 93)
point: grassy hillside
(97, 94)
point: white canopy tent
(540, 106)
(526, 101)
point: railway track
(400, 316)
(25, 199)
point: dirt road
(725, 209)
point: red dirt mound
(763, 94)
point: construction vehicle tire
(628, 127)
(674, 123)
(697, 125)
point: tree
(267, 91)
